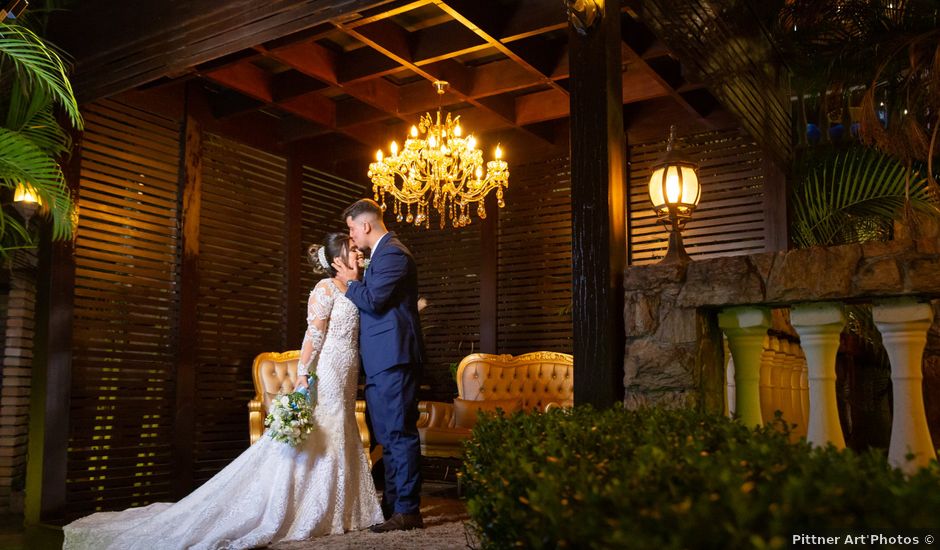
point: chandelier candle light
(439, 168)
(675, 192)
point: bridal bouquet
(290, 417)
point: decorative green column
(746, 330)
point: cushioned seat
(534, 381)
(276, 372)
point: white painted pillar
(819, 326)
(746, 330)
(903, 325)
(729, 379)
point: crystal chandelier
(439, 169)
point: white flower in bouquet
(290, 418)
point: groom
(392, 351)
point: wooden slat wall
(241, 310)
(729, 220)
(324, 198)
(534, 269)
(124, 318)
(448, 276)
(18, 321)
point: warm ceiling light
(441, 169)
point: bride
(274, 492)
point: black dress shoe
(387, 511)
(400, 522)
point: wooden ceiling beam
(365, 64)
(115, 53)
(549, 105)
(290, 84)
(385, 12)
(313, 107)
(395, 50)
(663, 69)
(444, 41)
(533, 17)
(246, 78)
(321, 63)
(477, 18)
(309, 58)
(230, 103)
(388, 38)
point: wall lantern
(26, 201)
(674, 192)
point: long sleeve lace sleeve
(318, 317)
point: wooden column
(184, 422)
(598, 203)
(293, 244)
(52, 366)
(489, 258)
(776, 211)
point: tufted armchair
(275, 372)
(535, 381)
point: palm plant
(854, 196)
(880, 58)
(33, 85)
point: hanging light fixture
(437, 167)
(26, 201)
(675, 192)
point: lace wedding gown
(272, 492)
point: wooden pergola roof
(366, 74)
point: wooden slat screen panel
(18, 322)
(125, 311)
(729, 220)
(535, 259)
(448, 276)
(241, 310)
(325, 196)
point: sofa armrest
(255, 420)
(435, 414)
(556, 405)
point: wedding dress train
(272, 492)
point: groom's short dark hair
(362, 206)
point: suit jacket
(387, 298)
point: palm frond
(854, 197)
(38, 66)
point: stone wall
(674, 353)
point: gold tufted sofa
(275, 372)
(539, 381)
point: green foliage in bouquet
(662, 479)
(290, 418)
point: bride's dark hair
(335, 245)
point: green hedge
(674, 479)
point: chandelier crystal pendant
(437, 168)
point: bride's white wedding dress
(272, 492)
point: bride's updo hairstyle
(320, 256)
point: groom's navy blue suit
(392, 351)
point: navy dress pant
(391, 399)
